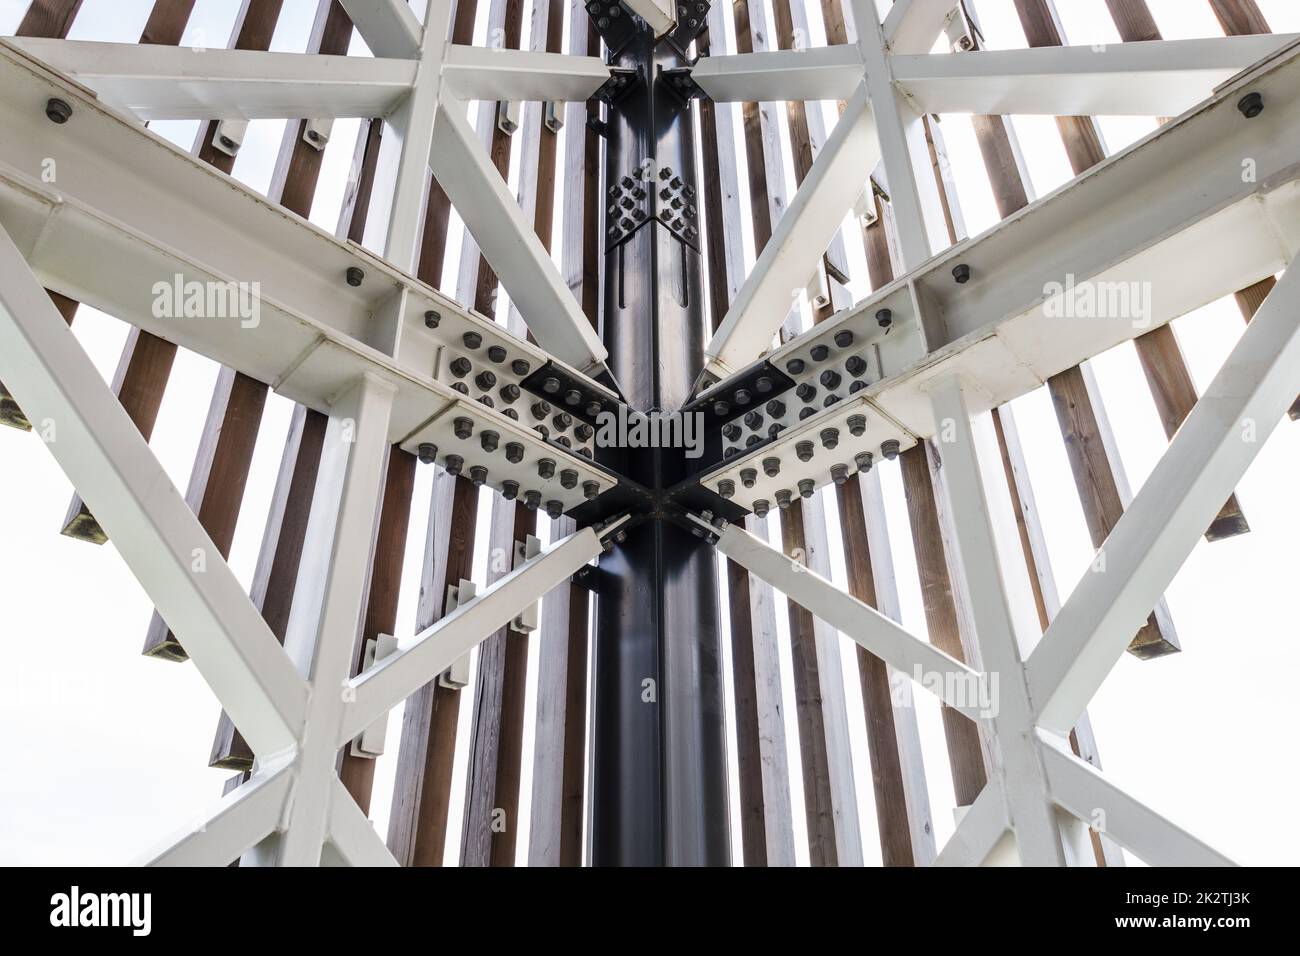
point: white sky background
(107, 750)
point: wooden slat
(1240, 17)
(48, 18)
(417, 824)
(276, 575)
(166, 23)
(382, 594)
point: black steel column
(659, 753)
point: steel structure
(355, 335)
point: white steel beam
(980, 829)
(912, 26)
(184, 83)
(390, 27)
(814, 73)
(659, 15)
(799, 239)
(103, 454)
(503, 75)
(510, 244)
(1081, 790)
(1016, 762)
(245, 816)
(420, 658)
(329, 596)
(1153, 78)
(351, 833)
(1204, 462)
(957, 685)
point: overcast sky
(107, 750)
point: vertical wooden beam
(417, 824)
(1240, 17)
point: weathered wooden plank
(417, 824)
(276, 575)
(48, 18)
(1240, 17)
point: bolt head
(58, 111)
(1251, 105)
(427, 452)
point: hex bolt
(584, 452)
(485, 380)
(427, 452)
(776, 408)
(478, 475)
(730, 452)
(520, 367)
(856, 365)
(857, 386)
(857, 425)
(355, 276)
(568, 478)
(763, 384)
(542, 430)
(754, 420)
(806, 487)
(783, 499)
(489, 440)
(472, 340)
(532, 500)
(497, 353)
(884, 318)
(514, 452)
(844, 338)
(742, 396)
(1251, 105)
(460, 367)
(550, 385)
(590, 489)
(830, 378)
(554, 508)
(593, 409)
(546, 469)
(775, 429)
(761, 508)
(453, 464)
(463, 427)
(583, 432)
(830, 437)
(863, 460)
(572, 397)
(509, 393)
(431, 319)
(839, 474)
(806, 391)
(731, 431)
(753, 440)
(562, 421)
(804, 450)
(890, 449)
(540, 410)
(819, 352)
(510, 413)
(748, 476)
(806, 413)
(727, 488)
(830, 400)
(460, 387)
(794, 366)
(510, 489)
(721, 407)
(772, 466)
(961, 273)
(58, 111)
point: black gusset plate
(689, 25)
(620, 24)
(536, 382)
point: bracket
(681, 84)
(456, 676)
(553, 115)
(229, 136)
(529, 619)
(370, 742)
(622, 80)
(316, 133)
(508, 116)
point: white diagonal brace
(983, 825)
(913, 26)
(352, 833)
(420, 658)
(799, 239)
(499, 74)
(185, 83)
(860, 622)
(329, 595)
(1204, 462)
(510, 244)
(102, 452)
(1082, 790)
(244, 817)
(1152, 78)
(975, 552)
(389, 27)
(815, 73)
(659, 15)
